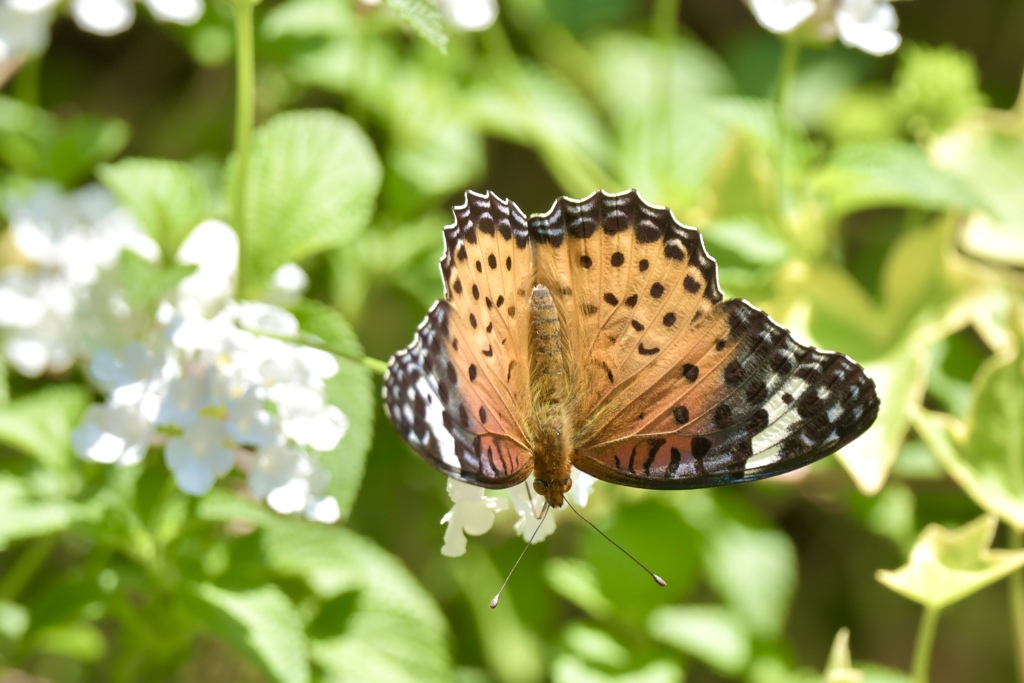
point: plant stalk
(924, 644)
(245, 111)
(1017, 605)
(25, 567)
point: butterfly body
(596, 336)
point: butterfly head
(553, 491)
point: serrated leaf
(39, 424)
(710, 633)
(168, 198)
(755, 571)
(262, 623)
(860, 176)
(423, 17)
(312, 183)
(354, 391)
(948, 565)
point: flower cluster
(211, 380)
(473, 510)
(868, 25)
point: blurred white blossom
(470, 15)
(53, 305)
(211, 380)
(868, 25)
(110, 17)
(24, 28)
(474, 510)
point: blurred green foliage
(879, 215)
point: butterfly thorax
(550, 437)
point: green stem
(1017, 606)
(375, 364)
(24, 569)
(664, 17)
(26, 82)
(924, 644)
(245, 108)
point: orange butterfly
(596, 336)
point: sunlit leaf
(900, 380)
(261, 622)
(576, 581)
(80, 641)
(948, 565)
(985, 455)
(39, 424)
(569, 669)
(27, 514)
(595, 646)
(169, 198)
(866, 175)
(839, 668)
(352, 390)
(755, 571)
(424, 17)
(312, 184)
(710, 633)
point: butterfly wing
(676, 388)
(457, 392)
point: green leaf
(5, 383)
(710, 633)
(595, 646)
(423, 17)
(376, 622)
(261, 622)
(168, 198)
(354, 391)
(312, 184)
(27, 514)
(36, 143)
(865, 175)
(570, 669)
(900, 380)
(755, 571)
(947, 565)
(985, 455)
(146, 284)
(39, 424)
(576, 581)
(80, 641)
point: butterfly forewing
(458, 392)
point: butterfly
(596, 336)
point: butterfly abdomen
(550, 438)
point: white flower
(470, 15)
(782, 16)
(24, 27)
(50, 307)
(110, 17)
(868, 25)
(472, 513)
(111, 433)
(286, 285)
(199, 456)
(212, 247)
(290, 481)
(474, 510)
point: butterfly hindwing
(457, 392)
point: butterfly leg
(533, 505)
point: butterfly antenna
(657, 579)
(543, 516)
